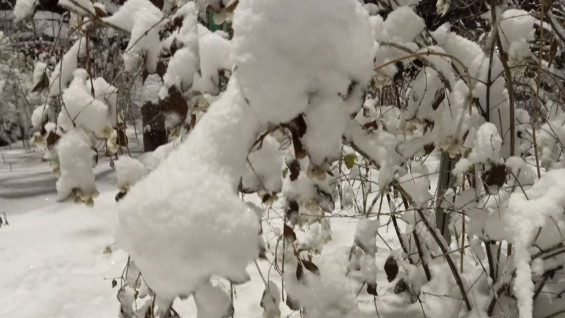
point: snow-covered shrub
(450, 135)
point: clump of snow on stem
(516, 28)
(296, 61)
(129, 171)
(143, 20)
(265, 166)
(80, 6)
(24, 9)
(76, 159)
(184, 64)
(326, 295)
(214, 52)
(63, 73)
(188, 205)
(184, 222)
(486, 149)
(81, 109)
(212, 302)
(108, 94)
(525, 216)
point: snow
(24, 9)
(525, 215)
(144, 35)
(107, 94)
(82, 110)
(195, 206)
(126, 17)
(265, 168)
(38, 116)
(151, 88)
(214, 53)
(63, 73)
(515, 26)
(184, 63)
(275, 42)
(366, 235)
(212, 301)
(213, 156)
(80, 6)
(487, 147)
(189, 232)
(129, 171)
(402, 25)
(311, 292)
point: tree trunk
(445, 180)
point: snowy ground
(55, 261)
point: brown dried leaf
(289, 234)
(99, 12)
(175, 103)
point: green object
(212, 26)
(349, 160)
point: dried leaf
(371, 125)
(311, 267)
(120, 196)
(400, 287)
(42, 84)
(52, 138)
(99, 12)
(114, 283)
(294, 168)
(299, 271)
(496, 175)
(429, 148)
(552, 51)
(161, 68)
(158, 3)
(177, 22)
(292, 212)
(372, 289)
(438, 98)
(391, 268)
(122, 138)
(174, 46)
(175, 103)
(291, 303)
(231, 7)
(289, 234)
